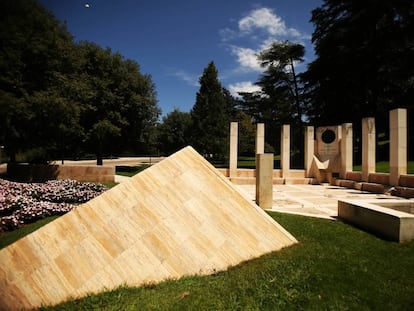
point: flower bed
(23, 203)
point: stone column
(346, 149)
(398, 145)
(260, 138)
(285, 150)
(264, 180)
(233, 149)
(368, 147)
(309, 149)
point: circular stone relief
(328, 136)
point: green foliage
(280, 80)
(67, 98)
(32, 61)
(246, 133)
(280, 100)
(175, 131)
(364, 60)
(210, 115)
(333, 267)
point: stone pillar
(398, 145)
(285, 150)
(264, 180)
(309, 149)
(260, 138)
(368, 147)
(233, 149)
(346, 149)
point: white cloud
(247, 58)
(260, 27)
(262, 18)
(190, 79)
(245, 86)
(267, 20)
(227, 34)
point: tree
(210, 116)
(280, 79)
(174, 131)
(365, 60)
(280, 100)
(118, 96)
(59, 98)
(35, 54)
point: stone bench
(391, 222)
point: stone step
(297, 181)
(371, 187)
(404, 192)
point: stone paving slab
(311, 200)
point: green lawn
(384, 167)
(130, 171)
(334, 267)
(7, 238)
(381, 167)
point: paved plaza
(311, 200)
(307, 200)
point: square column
(346, 149)
(398, 145)
(264, 180)
(285, 150)
(309, 149)
(368, 147)
(260, 138)
(233, 148)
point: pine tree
(210, 115)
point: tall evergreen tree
(280, 79)
(210, 115)
(365, 60)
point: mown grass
(333, 267)
(7, 238)
(130, 171)
(384, 167)
(381, 167)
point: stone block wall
(24, 172)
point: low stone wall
(354, 176)
(379, 178)
(389, 223)
(407, 181)
(24, 172)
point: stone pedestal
(264, 180)
(368, 147)
(398, 145)
(346, 149)
(309, 149)
(285, 150)
(233, 148)
(260, 138)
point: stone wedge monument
(179, 217)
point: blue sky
(174, 40)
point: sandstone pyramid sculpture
(179, 217)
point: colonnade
(334, 152)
